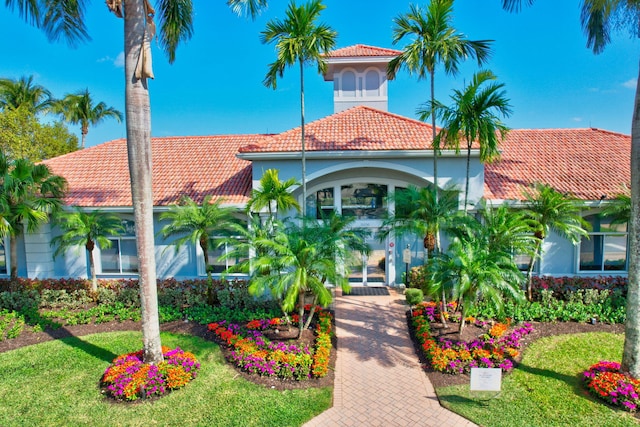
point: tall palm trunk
(92, 265)
(631, 353)
(303, 152)
(532, 263)
(13, 255)
(138, 118)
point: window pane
(349, 84)
(372, 83)
(129, 256)
(591, 253)
(325, 202)
(109, 257)
(615, 252)
(240, 257)
(215, 265)
(3, 260)
(364, 201)
(522, 261)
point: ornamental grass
(128, 378)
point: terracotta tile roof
(358, 128)
(586, 162)
(361, 50)
(194, 165)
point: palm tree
(434, 42)
(619, 208)
(550, 210)
(508, 230)
(599, 18)
(297, 259)
(23, 93)
(474, 116)
(273, 193)
(204, 225)
(299, 40)
(87, 229)
(78, 108)
(473, 272)
(67, 21)
(29, 194)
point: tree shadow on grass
(91, 349)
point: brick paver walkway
(378, 379)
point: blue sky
(215, 85)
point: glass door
(372, 269)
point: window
(372, 83)
(217, 265)
(3, 258)
(122, 256)
(606, 247)
(364, 201)
(349, 84)
(324, 202)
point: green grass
(56, 384)
(546, 389)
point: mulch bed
(181, 327)
(540, 330)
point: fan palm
(81, 228)
(23, 93)
(474, 116)
(433, 42)
(66, 20)
(299, 39)
(599, 18)
(79, 109)
(29, 194)
(549, 210)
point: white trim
(351, 154)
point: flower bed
(254, 353)
(495, 349)
(605, 381)
(128, 378)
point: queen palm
(433, 42)
(549, 210)
(82, 228)
(29, 194)
(299, 39)
(79, 108)
(599, 18)
(66, 20)
(24, 93)
(474, 116)
(203, 224)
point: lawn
(546, 389)
(56, 384)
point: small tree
(80, 228)
(205, 225)
(273, 193)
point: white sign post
(486, 379)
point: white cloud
(119, 61)
(631, 83)
(577, 119)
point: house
(354, 158)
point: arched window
(349, 84)
(372, 83)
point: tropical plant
(301, 257)
(473, 117)
(23, 93)
(599, 18)
(273, 193)
(81, 228)
(79, 108)
(473, 273)
(29, 194)
(619, 208)
(549, 210)
(67, 21)
(206, 225)
(507, 229)
(300, 40)
(434, 42)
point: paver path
(378, 379)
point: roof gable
(361, 50)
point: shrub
(414, 296)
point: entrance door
(372, 269)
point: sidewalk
(378, 379)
